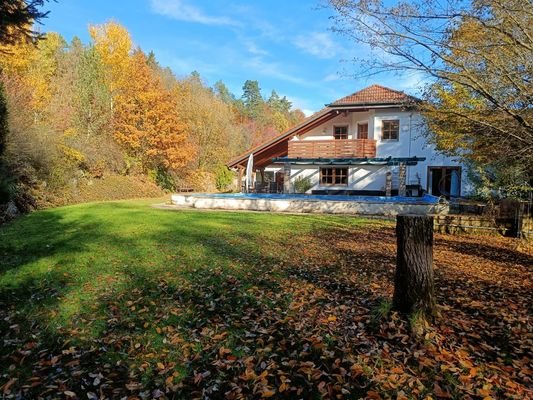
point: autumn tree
(114, 46)
(476, 55)
(209, 122)
(282, 115)
(43, 69)
(79, 112)
(146, 119)
(31, 143)
(92, 96)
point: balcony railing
(344, 148)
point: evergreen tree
(274, 101)
(253, 101)
(223, 93)
(17, 18)
(151, 60)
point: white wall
(364, 177)
(325, 131)
(411, 143)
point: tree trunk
(413, 283)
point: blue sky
(285, 45)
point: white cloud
(318, 44)
(180, 10)
(273, 70)
(253, 48)
(332, 77)
(302, 104)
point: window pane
(390, 129)
(334, 176)
(340, 132)
(326, 176)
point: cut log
(413, 282)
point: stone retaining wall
(483, 225)
(308, 206)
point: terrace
(343, 148)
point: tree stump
(413, 282)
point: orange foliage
(146, 119)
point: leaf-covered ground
(119, 300)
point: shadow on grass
(117, 291)
(194, 276)
(487, 251)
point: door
(444, 181)
(362, 131)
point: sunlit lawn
(116, 299)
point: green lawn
(115, 299)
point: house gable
(372, 97)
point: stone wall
(475, 224)
(295, 205)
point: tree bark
(413, 282)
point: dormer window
(340, 132)
(390, 129)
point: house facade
(368, 143)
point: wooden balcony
(346, 148)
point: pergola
(408, 161)
(402, 162)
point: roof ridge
(374, 94)
(385, 87)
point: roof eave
(293, 131)
(370, 105)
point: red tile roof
(375, 94)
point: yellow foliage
(72, 156)
(15, 59)
(114, 45)
(36, 65)
(146, 119)
(281, 123)
(70, 132)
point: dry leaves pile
(301, 317)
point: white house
(369, 143)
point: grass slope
(114, 299)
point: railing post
(388, 184)
(286, 178)
(402, 189)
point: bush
(200, 181)
(223, 178)
(162, 178)
(7, 185)
(302, 185)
